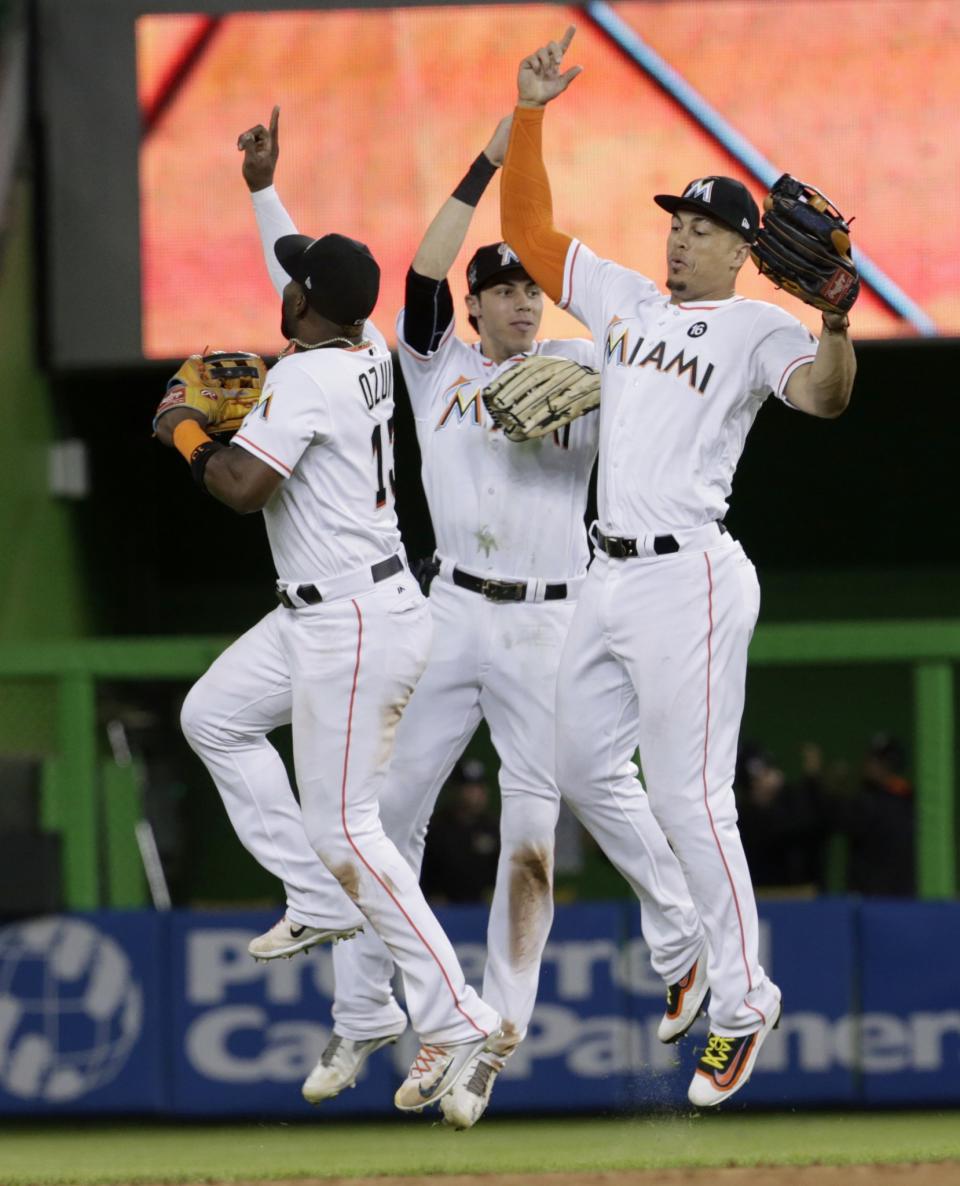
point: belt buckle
(620, 548)
(501, 591)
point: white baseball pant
(496, 661)
(342, 672)
(499, 661)
(663, 640)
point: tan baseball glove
(541, 394)
(224, 385)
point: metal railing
(79, 791)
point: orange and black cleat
(727, 1063)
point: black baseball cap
(722, 198)
(340, 275)
(489, 264)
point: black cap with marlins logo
(491, 263)
(722, 198)
(340, 275)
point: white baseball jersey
(325, 423)
(499, 508)
(682, 384)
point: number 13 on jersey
(379, 448)
(376, 383)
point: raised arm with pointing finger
(526, 205)
(261, 150)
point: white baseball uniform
(662, 637)
(340, 669)
(501, 511)
(513, 513)
(507, 512)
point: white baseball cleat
(464, 1106)
(339, 1066)
(286, 938)
(684, 1001)
(435, 1071)
(727, 1063)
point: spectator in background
(781, 823)
(463, 841)
(879, 823)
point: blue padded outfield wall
(137, 1012)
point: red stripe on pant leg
(366, 864)
(706, 801)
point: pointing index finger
(275, 125)
(567, 38)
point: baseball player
(511, 559)
(663, 622)
(340, 656)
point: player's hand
(496, 150)
(260, 147)
(539, 79)
(835, 323)
(169, 421)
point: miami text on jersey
(620, 351)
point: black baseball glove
(803, 246)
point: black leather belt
(312, 595)
(621, 548)
(504, 590)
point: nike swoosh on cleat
(728, 1077)
(296, 931)
(425, 1095)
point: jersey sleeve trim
(794, 364)
(567, 295)
(254, 448)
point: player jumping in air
(511, 558)
(663, 623)
(340, 656)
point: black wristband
(200, 457)
(475, 181)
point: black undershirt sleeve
(427, 312)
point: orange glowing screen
(383, 110)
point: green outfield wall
(94, 808)
(42, 586)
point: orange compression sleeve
(187, 436)
(526, 207)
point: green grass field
(93, 1153)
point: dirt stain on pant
(388, 727)
(349, 879)
(530, 898)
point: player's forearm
(230, 481)
(526, 205)
(445, 234)
(273, 222)
(443, 240)
(230, 474)
(830, 377)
